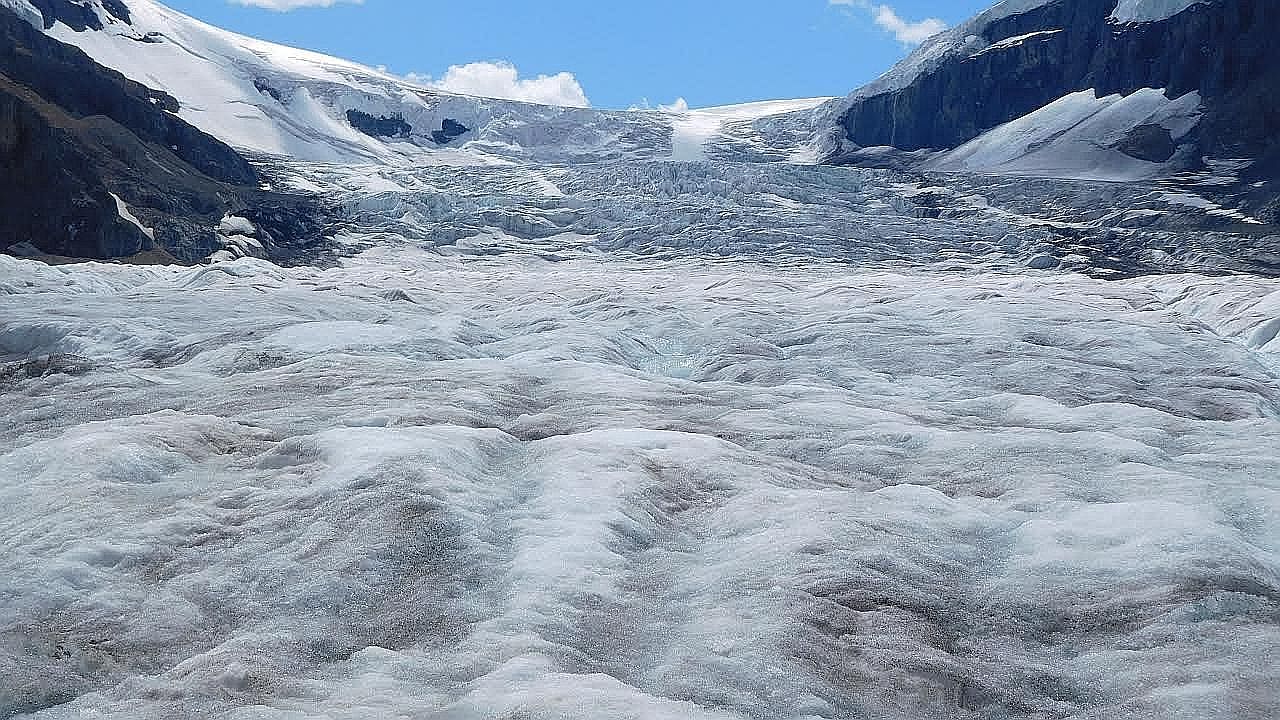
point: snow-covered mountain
(278, 104)
(280, 101)
(1095, 89)
(74, 196)
(1077, 88)
(1081, 89)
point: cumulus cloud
(287, 5)
(906, 32)
(502, 80)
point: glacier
(645, 414)
(646, 441)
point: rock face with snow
(78, 15)
(1217, 57)
(96, 165)
(284, 102)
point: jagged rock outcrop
(95, 165)
(379, 126)
(79, 16)
(449, 131)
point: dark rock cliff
(379, 126)
(79, 16)
(73, 134)
(64, 76)
(449, 131)
(1224, 50)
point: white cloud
(906, 32)
(502, 80)
(287, 5)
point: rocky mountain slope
(96, 165)
(1081, 88)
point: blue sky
(615, 54)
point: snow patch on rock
(1133, 11)
(125, 214)
(1075, 137)
(236, 225)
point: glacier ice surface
(560, 437)
(479, 481)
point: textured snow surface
(475, 487)
(785, 213)
(696, 132)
